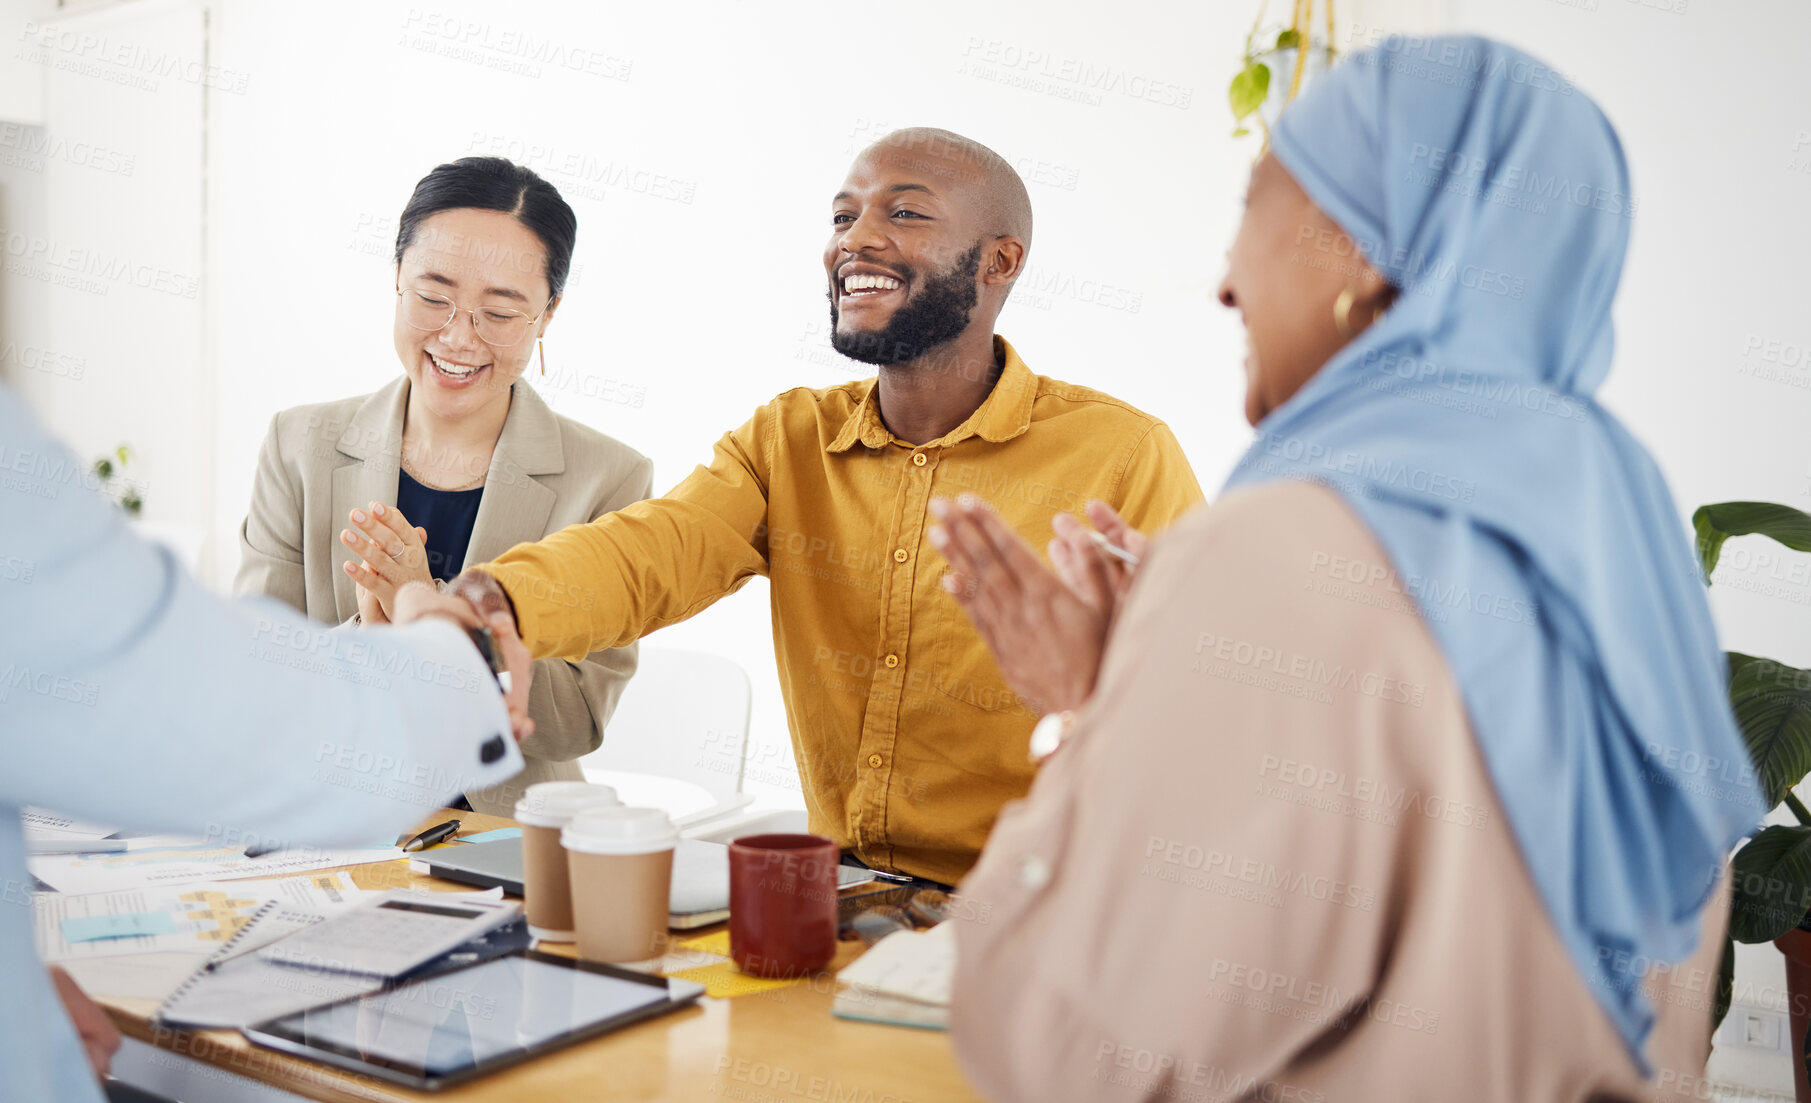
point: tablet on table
(456, 1026)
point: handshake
(475, 603)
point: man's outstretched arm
(608, 582)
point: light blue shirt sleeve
(131, 695)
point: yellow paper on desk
(722, 979)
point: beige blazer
(1268, 863)
(321, 461)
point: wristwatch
(486, 643)
(1049, 734)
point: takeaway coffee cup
(621, 865)
(546, 886)
(782, 904)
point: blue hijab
(1537, 536)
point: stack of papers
(135, 916)
(45, 826)
(145, 943)
(166, 865)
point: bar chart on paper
(195, 918)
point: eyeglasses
(495, 325)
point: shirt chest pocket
(963, 669)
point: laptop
(700, 894)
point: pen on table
(1112, 549)
(903, 880)
(439, 833)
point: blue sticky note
(89, 928)
(492, 836)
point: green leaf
(1771, 876)
(124, 453)
(1737, 661)
(1772, 703)
(104, 468)
(1726, 984)
(1241, 132)
(1717, 523)
(1289, 39)
(1249, 89)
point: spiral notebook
(235, 987)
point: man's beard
(938, 314)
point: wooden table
(780, 1045)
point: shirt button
(918, 458)
(1034, 873)
(875, 760)
(899, 555)
(892, 660)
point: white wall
(101, 229)
(1713, 104)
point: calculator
(391, 935)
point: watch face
(485, 642)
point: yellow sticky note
(708, 944)
(724, 980)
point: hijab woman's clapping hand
(1046, 632)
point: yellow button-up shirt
(907, 739)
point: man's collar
(1003, 415)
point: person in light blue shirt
(131, 695)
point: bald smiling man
(907, 739)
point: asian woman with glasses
(458, 459)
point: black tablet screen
(442, 1025)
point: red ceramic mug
(782, 904)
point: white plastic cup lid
(552, 803)
(614, 829)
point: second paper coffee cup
(546, 887)
(620, 861)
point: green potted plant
(1771, 872)
(110, 470)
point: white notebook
(235, 988)
(903, 979)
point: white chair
(768, 821)
(677, 737)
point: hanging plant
(1266, 49)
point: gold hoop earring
(542, 354)
(1342, 313)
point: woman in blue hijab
(1406, 769)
